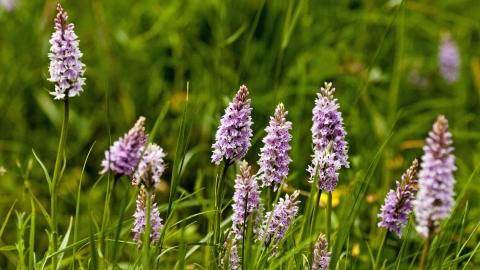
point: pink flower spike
(66, 69)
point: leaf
(352, 207)
(8, 248)
(49, 180)
(404, 243)
(234, 36)
(64, 242)
(44, 212)
(371, 255)
(31, 244)
(6, 219)
(77, 210)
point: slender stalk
(244, 229)
(146, 235)
(31, 254)
(423, 260)
(218, 208)
(56, 180)
(105, 218)
(328, 217)
(310, 209)
(269, 199)
(383, 240)
(313, 219)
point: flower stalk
(424, 258)
(321, 256)
(383, 241)
(56, 180)
(146, 235)
(218, 209)
(232, 142)
(435, 198)
(328, 217)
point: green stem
(310, 209)
(218, 208)
(105, 218)
(55, 181)
(313, 219)
(328, 217)
(383, 240)
(146, 235)
(269, 199)
(423, 260)
(244, 229)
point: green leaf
(234, 36)
(123, 208)
(77, 210)
(352, 206)
(404, 243)
(44, 212)
(6, 219)
(31, 244)
(371, 255)
(7, 248)
(45, 171)
(177, 167)
(65, 241)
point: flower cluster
(9, 5)
(325, 167)
(66, 69)
(435, 200)
(328, 135)
(321, 256)
(274, 157)
(124, 154)
(276, 223)
(328, 125)
(233, 135)
(140, 216)
(151, 167)
(449, 59)
(231, 253)
(398, 204)
(246, 201)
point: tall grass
(145, 53)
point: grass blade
(45, 171)
(404, 244)
(77, 210)
(473, 253)
(6, 219)
(179, 158)
(64, 242)
(123, 209)
(349, 215)
(93, 250)
(44, 212)
(31, 244)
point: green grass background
(143, 53)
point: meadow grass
(179, 64)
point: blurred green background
(143, 53)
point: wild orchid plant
(449, 59)
(329, 147)
(435, 198)
(66, 71)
